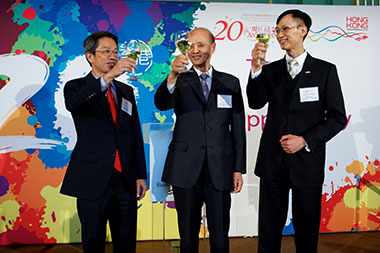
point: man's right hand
(257, 54)
(178, 65)
(122, 66)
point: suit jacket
(93, 157)
(204, 131)
(316, 121)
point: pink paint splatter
(29, 13)
(103, 25)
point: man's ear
(90, 57)
(213, 47)
(304, 30)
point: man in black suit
(206, 157)
(107, 167)
(305, 110)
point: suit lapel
(216, 84)
(105, 107)
(285, 80)
(193, 80)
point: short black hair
(297, 14)
(91, 42)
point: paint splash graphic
(356, 205)
(42, 50)
(333, 33)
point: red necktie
(111, 101)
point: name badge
(126, 106)
(309, 94)
(224, 101)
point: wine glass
(131, 50)
(263, 38)
(183, 43)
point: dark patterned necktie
(112, 102)
(204, 85)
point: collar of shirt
(209, 72)
(300, 60)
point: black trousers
(118, 206)
(189, 203)
(273, 209)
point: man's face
(292, 33)
(201, 49)
(103, 60)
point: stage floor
(354, 242)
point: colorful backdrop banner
(41, 49)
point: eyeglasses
(284, 29)
(107, 52)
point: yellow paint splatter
(10, 211)
(367, 197)
(60, 216)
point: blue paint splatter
(4, 185)
(32, 120)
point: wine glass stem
(133, 73)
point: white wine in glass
(131, 50)
(183, 43)
(263, 38)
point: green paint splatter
(158, 37)
(40, 35)
(158, 72)
(187, 16)
(159, 117)
(3, 77)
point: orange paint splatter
(356, 167)
(371, 169)
(348, 180)
(349, 209)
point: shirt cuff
(255, 74)
(307, 148)
(171, 87)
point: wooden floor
(367, 242)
